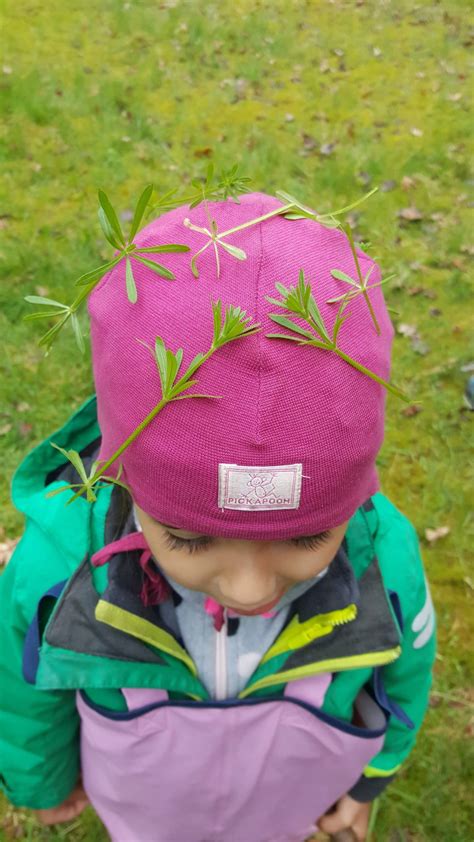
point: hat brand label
(259, 488)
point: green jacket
(89, 638)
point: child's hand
(68, 810)
(348, 815)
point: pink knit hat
(289, 449)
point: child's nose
(249, 584)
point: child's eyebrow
(192, 535)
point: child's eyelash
(311, 542)
(192, 545)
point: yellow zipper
(368, 659)
(299, 634)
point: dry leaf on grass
(407, 330)
(433, 535)
(327, 148)
(416, 342)
(410, 411)
(420, 290)
(410, 214)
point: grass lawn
(321, 99)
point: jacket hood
(45, 469)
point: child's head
(288, 448)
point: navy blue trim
(386, 703)
(397, 608)
(340, 724)
(366, 789)
(32, 642)
(384, 700)
(368, 505)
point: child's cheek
(186, 569)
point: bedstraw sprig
(215, 239)
(299, 300)
(359, 286)
(300, 211)
(228, 325)
(293, 209)
(89, 485)
(214, 188)
(128, 251)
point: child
(233, 638)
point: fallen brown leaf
(309, 142)
(410, 411)
(206, 152)
(410, 214)
(421, 290)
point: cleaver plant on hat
(230, 322)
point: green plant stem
(276, 212)
(287, 207)
(397, 392)
(83, 295)
(348, 231)
(371, 310)
(156, 409)
(349, 207)
(189, 374)
(324, 336)
(373, 819)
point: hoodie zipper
(221, 660)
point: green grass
(120, 94)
